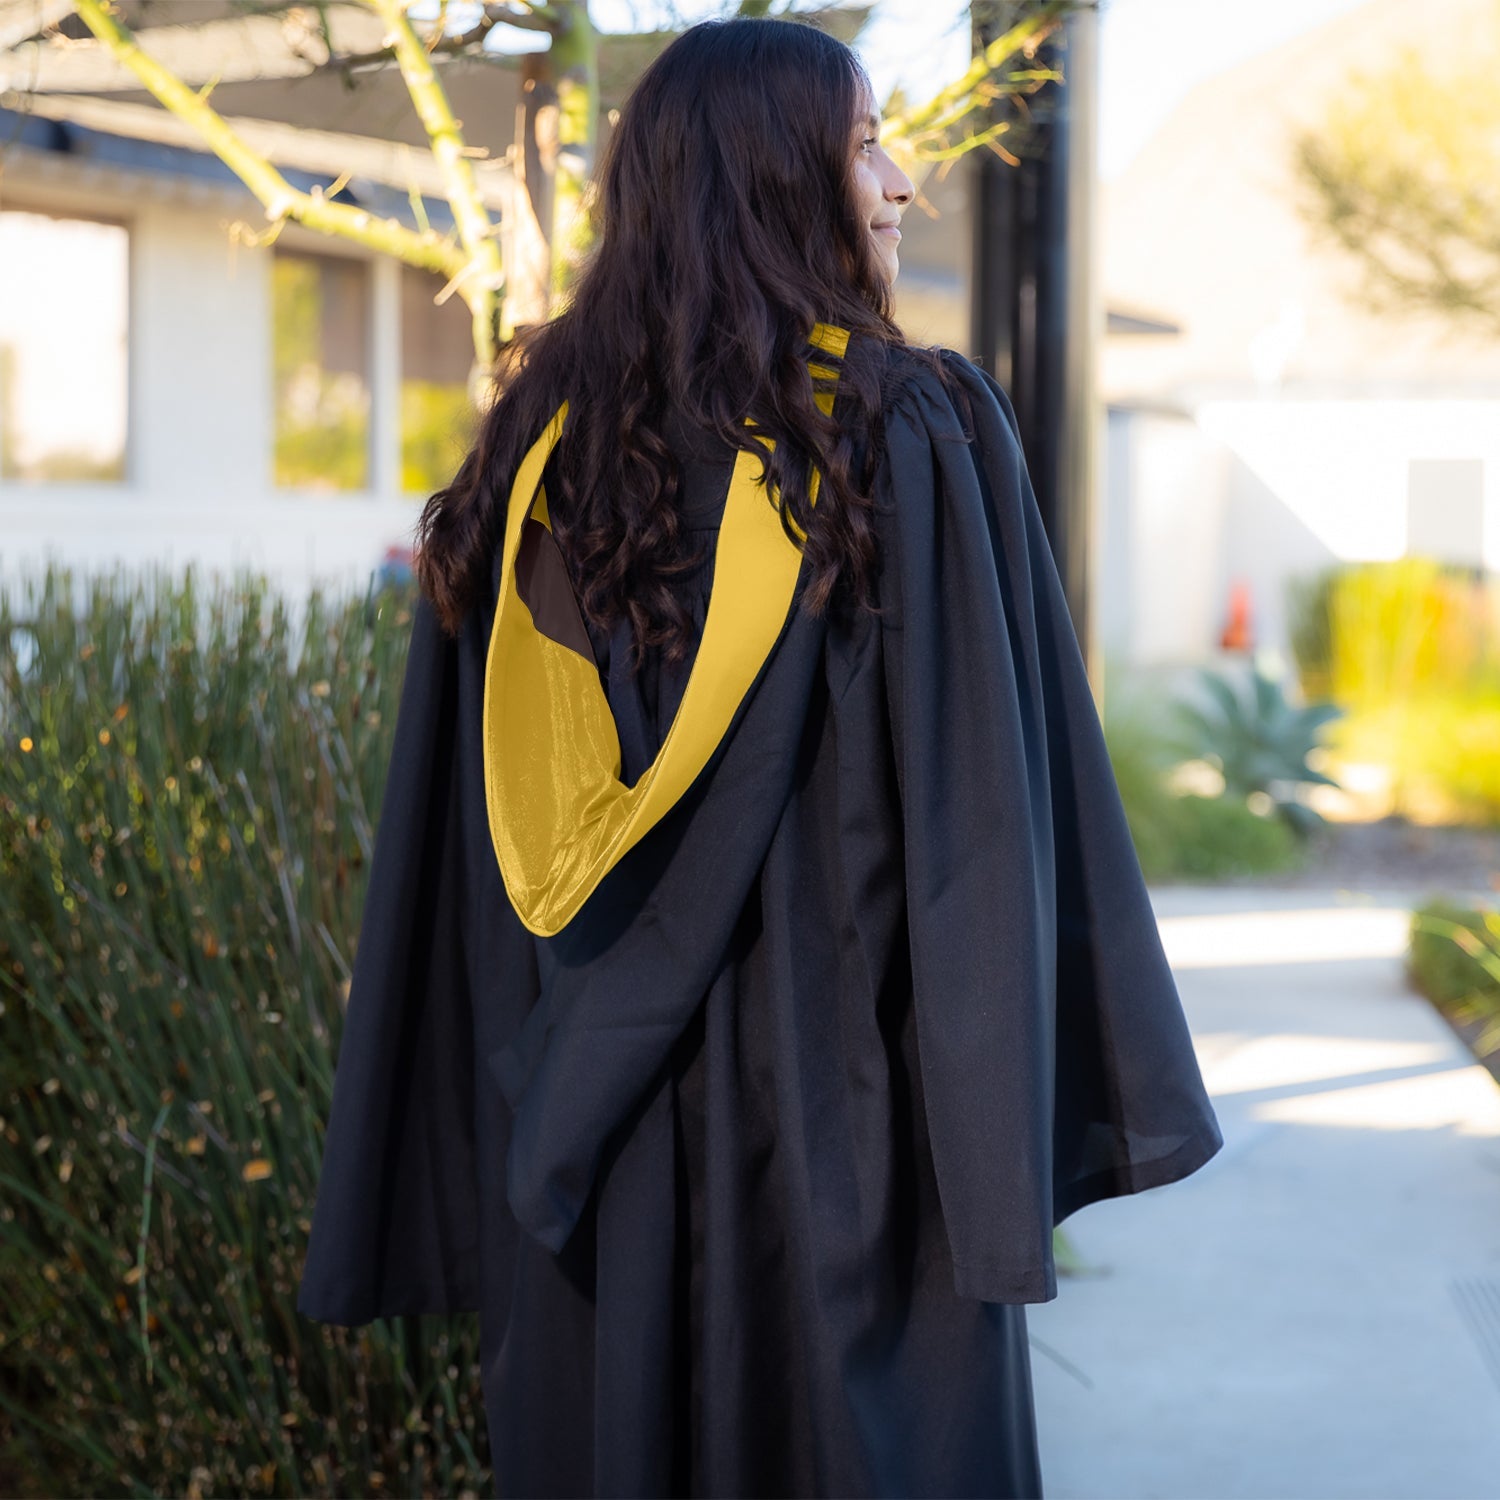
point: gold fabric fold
(560, 817)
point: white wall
(200, 436)
(1268, 489)
(1161, 567)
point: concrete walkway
(1317, 1311)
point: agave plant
(1259, 741)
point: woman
(756, 966)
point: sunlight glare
(1238, 939)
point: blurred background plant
(1399, 174)
(1453, 958)
(1259, 743)
(188, 790)
(1185, 819)
(1410, 649)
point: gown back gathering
(750, 1170)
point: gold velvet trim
(560, 817)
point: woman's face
(881, 189)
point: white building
(1284, 427)
(171, 390)
(168, 393)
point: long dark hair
(725, 228)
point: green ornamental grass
(189, 786)
(1453, 958)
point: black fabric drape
(751, 1169)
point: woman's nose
(900, 188)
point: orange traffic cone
(1238, 634)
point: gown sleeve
(1055, 1055)
(397, 1221)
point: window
(64, 298)
(438, 425)
(321, 365)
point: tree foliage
(555, 161)
(1404, 175)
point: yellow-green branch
(575, 62)
(486, 277)
(281, 200)
(967, 92)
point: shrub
(1454, 959)
(1411, 650)
(1184, 836)
(1259, 742)
(1220, 836)
(189, 784)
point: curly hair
(725, 228)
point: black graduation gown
(750, 1170)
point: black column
(1034, 313)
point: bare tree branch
(924, 128)
(484, 273)
(280, 199)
